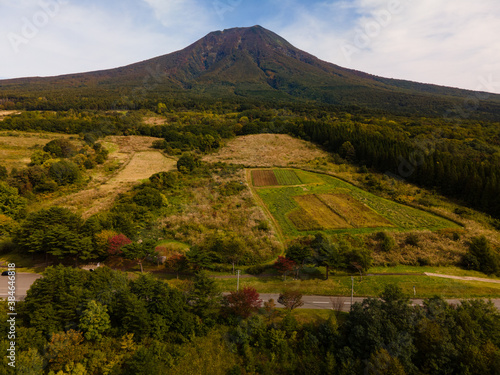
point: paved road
(23, 283)
(326, 302)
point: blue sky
(447, 42)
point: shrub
(482, 257)
(168, 180)
(412, 240)
(149, 197)
(187, 163)
(64, 172)
(386, 241)
(3, 172)
(61, 148)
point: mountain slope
(252, 63)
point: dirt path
(466, 278)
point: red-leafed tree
(115, 243)
(284, 265)
(177, 263)
(243, 302)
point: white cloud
(447, 42)
(184, 17)
(75, 38)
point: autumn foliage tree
(65, 348)
(284, 265)
(115, 243)
(243, 302)
(177, 263)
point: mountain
(247, 64)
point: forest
(79, 322)
(75, 321)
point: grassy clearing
(101, 193)
(17, 147)
(363, 209)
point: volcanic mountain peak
(257, 64)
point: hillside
(240, 64)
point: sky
(447, 42)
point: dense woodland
(80, 322)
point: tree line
(79, 322)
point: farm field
(329, 204)
(274, 177)
(264, 178)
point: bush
(61, 148)
(188, 162)
(412, 240)
(387, 242)
(481, 257)
(163, 180)
(259, 269)
(149, 197)
(64, 172)
(231, 188)
(3, 172)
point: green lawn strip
(370, 286)
(453, 271)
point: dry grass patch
(17, 147)
(132, 143)
(267, 150)
(207, 212)
(4, 114)
(303, 221)
(142, 166)
(154, 120)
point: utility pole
(238, 280)
(352, 290)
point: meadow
(17, 147)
